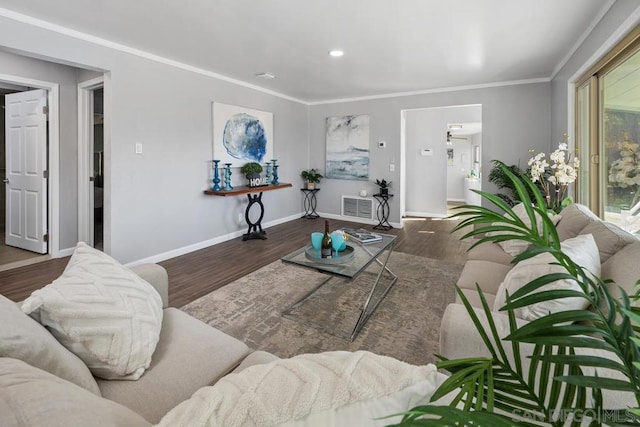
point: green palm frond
(562, 346)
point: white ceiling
(390, 46)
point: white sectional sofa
(488, 264)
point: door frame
(85, 158)
(53, 153)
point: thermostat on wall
(426, 152)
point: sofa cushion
(32, 397)
(334, 388)
(516, 247)
(487, 274)
(256, 358)
(581, 249)
(609, 238)
(103, 312)
(623, 269)
(23, 338)
(189, 355)
(573, 219)
(490, 251)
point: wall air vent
(357, 207)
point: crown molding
(29, 20)
(431, 91)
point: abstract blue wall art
(241, 135)
(348, 147)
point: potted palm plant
(496, 390)
(311, 177)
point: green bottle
(326, 249)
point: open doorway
(440, 158)
(91, 163)
(24, 192)
(98, 168)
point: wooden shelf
(243, 189)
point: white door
(26, 163)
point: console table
(254, 194)
(383, 211)
(310, 203)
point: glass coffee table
(365, 263)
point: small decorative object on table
(275, 181)
(227, 177)
(267, 175)
(216, 176)
(252, 171)
(361, 235)
(384, 186)
(312, 177)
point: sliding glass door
(620, 149)
(608, 137)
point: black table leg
(383, 211)
(255, 230)
(310, 203)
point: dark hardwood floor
(198, 273)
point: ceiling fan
(451, 137)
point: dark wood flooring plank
(198, 273)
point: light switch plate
(138, 147)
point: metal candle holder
(268, 173)
(216, 176)
(227, 177)
(275, 172)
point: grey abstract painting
(348, 147)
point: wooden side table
(383, 211)
(310, 203)
(255, 230)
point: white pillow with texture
(581, 249)
(516, 247)
(102, 312)
(336, 388)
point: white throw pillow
(336, 388)
(103, 312)
(581, 249)
(516, 247)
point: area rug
(405, 325)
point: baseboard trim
(361, 220)
(206, 243)
(426, 214)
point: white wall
(157, 203)
(515, 119)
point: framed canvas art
(241, 135)
(347, 140)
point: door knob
(6, 180)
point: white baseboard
(63, 253)
(205, 244)
(426, 214)
(361, 220)
(455, 200)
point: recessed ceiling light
(336, 53)
(266, 76)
